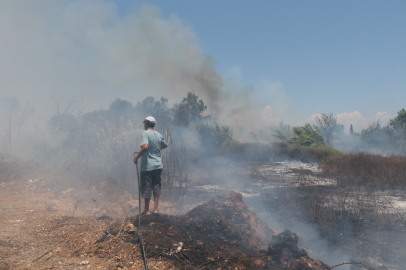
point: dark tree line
(188, 111)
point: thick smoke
(84, 50)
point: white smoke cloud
(85, 49)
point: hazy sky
(328, 56)
(269, 60)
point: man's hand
(135, 159)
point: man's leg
(156, 184)
(146, 192)
(146, 207)
(156, 199)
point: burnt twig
(122, 224)
(42, 255)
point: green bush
(211, 137)
(308, 135)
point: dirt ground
(43, 226)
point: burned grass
(220, 234)
(368, 227)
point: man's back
(151, 160)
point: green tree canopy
(156, 108)
(308, 135)
(189, 110)
(400, 120)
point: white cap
(150, 119)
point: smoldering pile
(222, 233)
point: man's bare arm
(144, 149)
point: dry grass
(366, 170)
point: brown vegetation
(366, 170)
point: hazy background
(254, 63)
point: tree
(338, 132)
(189, 110)
(327, 123)
(222, 134)
(121, 109)
(351, 129)
(400, 120)
(377, 136)
(63, 123)
(157, 108)
(308, 135)
(283, 133)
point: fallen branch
(42, 255)
(122, 224)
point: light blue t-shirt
(151, 160)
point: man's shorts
(151, 183)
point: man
(151, 165)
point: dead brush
(341, 209)
(12, 168)
(373, 172)
(175, 179)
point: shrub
(213, 137)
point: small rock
(179, 248)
